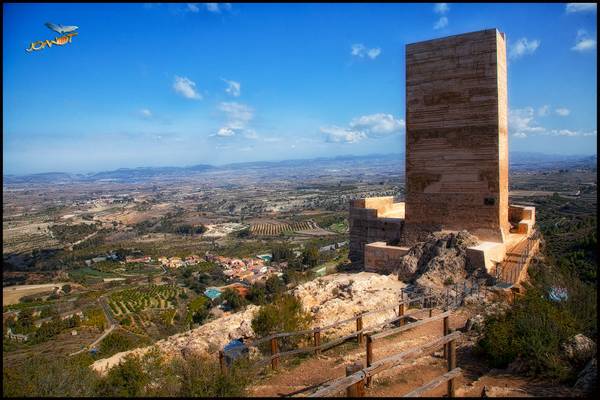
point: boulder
(579, 349)
(337, 297)
(441, 257)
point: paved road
(111, 320)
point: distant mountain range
(518, 161)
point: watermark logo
(67, 31)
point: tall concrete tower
(456, 135)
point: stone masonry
(456, 156)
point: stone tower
(456, 135)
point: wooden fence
(354, 382)
(402, 306)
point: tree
(274, 286)
(310, 255)
(198, 310)
(284, 314)
(257, 294)
(233, 299)
(126, 379)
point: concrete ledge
(384, 206)
(486, 254)
(382, 258)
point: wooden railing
(512, 275)
(317, 347)
(354, 383)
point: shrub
(41, 376)
(127, 379)
(284, 314)
(532, 330)
(234, 300)
(115, 342)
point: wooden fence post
(359, 326)
(317, 337)
(274, 351)
(222, 363)
(451, 366)
(369, 355)
(445, 332)
(430, 311)
(401, 313)
(358, 389)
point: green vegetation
(198, 310)
(115, 342)
(72, 233)
(284, 314)
(233, 299)
(150, 375)
(533, 330)
(141, 298)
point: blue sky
(185, 84)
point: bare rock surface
(579, 349)
(207, 339)
(441, 258)
(329, 299)
(337, 297)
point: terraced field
(136, 300)
(275, 228)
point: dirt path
(331, 364)
(295, 375)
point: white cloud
(523, 47)
(441, 23)
(145, 113)
(233, 88)
(186, 88)
(193, 7)
(367, 126)
(360, 50)
(544, 110)
(563, 112)
(521, 122)
(215, 8)
(237, 117)
(564, 132)
(441, 8)
(225, 132)
(571, 8)
(583, 42)
(335, 134)
(373, 53)
(377, 125)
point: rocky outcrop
(579, 349)
(207, 339)
(337, 297)
(442, 258)
(329, 299)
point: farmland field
(271, 229)
(139, 299)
